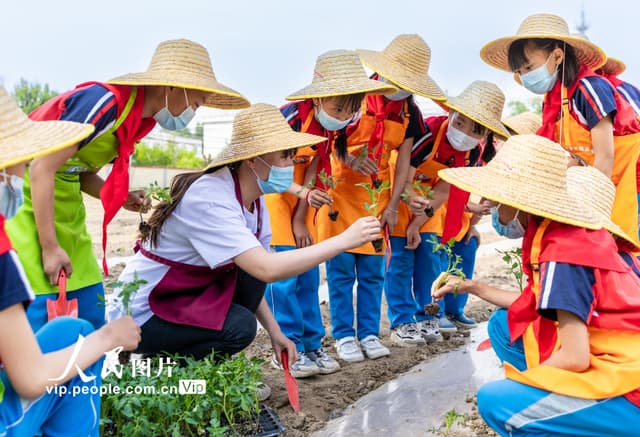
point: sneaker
(302, 368)
(445, 325)
(430, 331)
(324, 361)
(373, 348)
(264, 391)
(462, 321)
(407, 335)
(348, 350)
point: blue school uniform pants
(53, 414)
(342, 272)
(515, 409)
(295, 306)
(467, 251)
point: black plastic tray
(269, 422)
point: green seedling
(372, 206)
(329, 183)
(451, 417)
(424, 191)
(154, 192)
(454, 262)
(513, 259)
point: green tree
(30, 95)
(534, 104)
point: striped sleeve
(593, 100)
(631, 94)
(94, 105)
(566, 287)
(292, 115)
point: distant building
(217, 125)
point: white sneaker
(325, 363)
(407, 335)
(302, 368)
(430, 331)
(348, 350)
(373, 348)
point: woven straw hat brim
(342, 87)
(613, 67)
(521, 194)
(523, 123)
(422, 85)
(477, 114)
(223, 97)
(496, 53)
(258, 130)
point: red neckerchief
(323, 150)
(552, 104)
(115, 190)
(560, 243)
(382, 109)
(5, 243)
(613, 79)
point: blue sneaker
(445, 325)
(462, 321)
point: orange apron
(615, 356)
(281, 206)
(576, 139)
(348, 198)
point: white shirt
(209, 227)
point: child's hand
(413, 237)
(446, 283)
(362, 231)
(418, 204)
(316, 198)
(301, 233)
(136, 202)
(365, 166)
(123, 332)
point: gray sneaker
(302, 368)
(430, 331)
(407, 335)
(373, 348)
(348, 350)
(325, 363)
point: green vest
(69, 215)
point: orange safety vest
(349, 199)
(613, 325)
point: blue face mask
(328, 122)
(511, 230)
(11, 195)
(174, 122)
(398, 95)
(279, 180)
(539, 81)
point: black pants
(160, 336)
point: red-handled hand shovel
(62, 306)
(292, 384)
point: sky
(267, 49)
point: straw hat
(523, 123)
(405, 62)
(528, 173)
(22, 139)
(339, 73)
(596, 191)
(258, 130)
(185, 64)
(540, 26)
(613, 66)
(483, 103)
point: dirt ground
(325, 397)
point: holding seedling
(372, 205)
(513, 259)
(329, 183)
(422, 190)
(154, 192)
(454, 262)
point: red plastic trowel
(62, 306)
(292, 384)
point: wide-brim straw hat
(405, 62)
(598, 193)
(185, 64)
(483, 103)
(528, 173)
(340, 73)
(258, 130)
(613, 66)
(542, 26)
(22, 139)
(523, 123)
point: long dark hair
(517, 57)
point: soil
(326, 397)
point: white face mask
(328, 122)
(459, 140)
(11, 195)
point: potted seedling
(372, 205)
(513, 259)
(125, 296)
(329, 183)
(154, 192)
(423, 190)
(453, 268)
